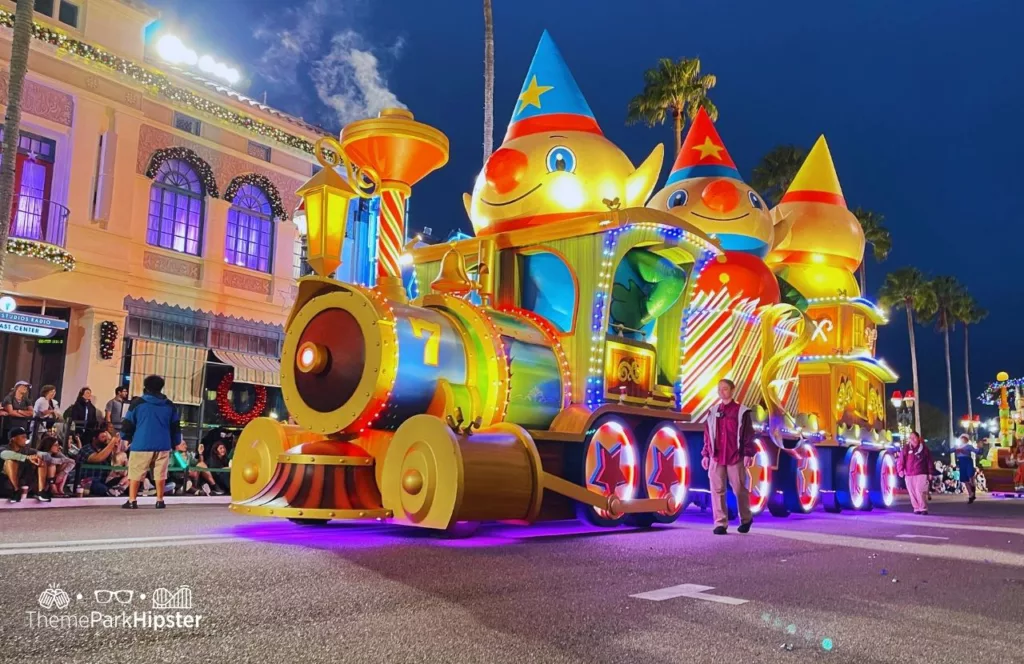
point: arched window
(176, 208)
(250, 229)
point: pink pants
(917, 487)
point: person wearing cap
(17, 407)
(18, 458)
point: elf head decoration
(555, 163)
(818, 242)
(705, 189)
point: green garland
(265, 185)
(189, 157)
(48, 252)
(158, 83)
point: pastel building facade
(174, 197)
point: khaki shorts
(139, 463)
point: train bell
(453, 279)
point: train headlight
(311, 358)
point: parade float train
(560, 363)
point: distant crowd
(127, 447)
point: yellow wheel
(422, 477)
(256, 453)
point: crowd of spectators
(84, 450)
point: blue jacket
(152, 424)
(964, 461)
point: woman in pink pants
(915, 466)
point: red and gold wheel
(759, 478)
(854, 481)
(667, 470)
(808, 476)
(886, 477)
(610, 468)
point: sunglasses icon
(105, 596)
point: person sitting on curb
(98, 452)
(58, 467)
(18, 459)
(153, 426)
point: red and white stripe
(391, 236)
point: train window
(547, 287)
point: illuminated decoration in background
(808, 476)
(611, 464)
(157, 83)
(228, 412)
(1011, 422)
(555, 163)
(47, 252)
(264, 184)
(881, 313)
(818, 242)
(108, 338)
(759, 478)
(599, 316)
(705, 189)
(850, 358)
(327, 199)
(399, 152)
(844, 396)
(186, 155)
(779, 363)
(667, 465)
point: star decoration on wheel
(664, 475)
(609, 469)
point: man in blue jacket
(152, 426)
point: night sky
(920, 102)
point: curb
(31, 503)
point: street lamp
(971, 426)
(904, 405)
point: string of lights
(157, 83)
(47, 252)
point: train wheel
(261, 442)
(759, 478)
(885, 470)
(666, 472)
(610, 467)
(808, 477)
(854, 478)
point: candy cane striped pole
(391, 238)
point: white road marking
(66, 543)
(691, 590)
(909, 536)
(929, 522)
(112, 545)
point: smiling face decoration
(554, 162)
(707, 191)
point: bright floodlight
(171, 49)
(207, 64)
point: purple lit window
(176, 208)
(250, 230)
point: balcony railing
(39, 219)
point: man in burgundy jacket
(728, 440)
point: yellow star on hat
(708, 148)
(531, 95)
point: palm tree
(907, 289)
(946, 293)
(776, 171)
(875, 234)
(677, 87)
(488, 80)
(15, 85)
(969, 313)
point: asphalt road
(872, 587)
